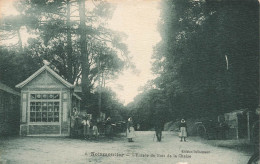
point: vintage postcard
(129, 81)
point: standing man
(84, 122)
(158, 118)
(159, 126)
(87, 127)
(74, 122)
(108, 127)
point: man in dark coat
(158, 127)
(158, 118)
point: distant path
(144, 150)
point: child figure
(95, 129)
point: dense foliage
(16, 67)
(110, 105)
(207, 61)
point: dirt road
(145, 149)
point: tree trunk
(85, 83)
(20, 40)
(69, 46)
(99, 88)
(103, 81)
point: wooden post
(71, 107)
(248, 125)
(237, 126)
(258, 108)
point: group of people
(84, 125)
(159, 125)
(90, 128)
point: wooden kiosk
(46, 103)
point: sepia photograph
(129, 82)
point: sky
(138, 20)
(6, 8)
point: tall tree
(208, 53)
(61, 25)
(84, 56)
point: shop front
(46, 103)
